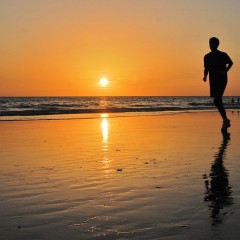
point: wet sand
(143, 177)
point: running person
(217, 64)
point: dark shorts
(217, 90)
(218, 83)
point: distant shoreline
(34, 108)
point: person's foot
(226, 124)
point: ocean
(33, 108)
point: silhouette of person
(217, 64)
(218, 191)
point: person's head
(213, 43)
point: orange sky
(153, 47)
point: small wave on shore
(20, 107)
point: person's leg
(219, 104)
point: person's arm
(229, 65)
(205, 74)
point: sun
(103, 82)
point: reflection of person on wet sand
(218, 190)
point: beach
(166, 176)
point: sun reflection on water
(105, 134)
(104, 130)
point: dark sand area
(141, 177)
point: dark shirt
(216, 63)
